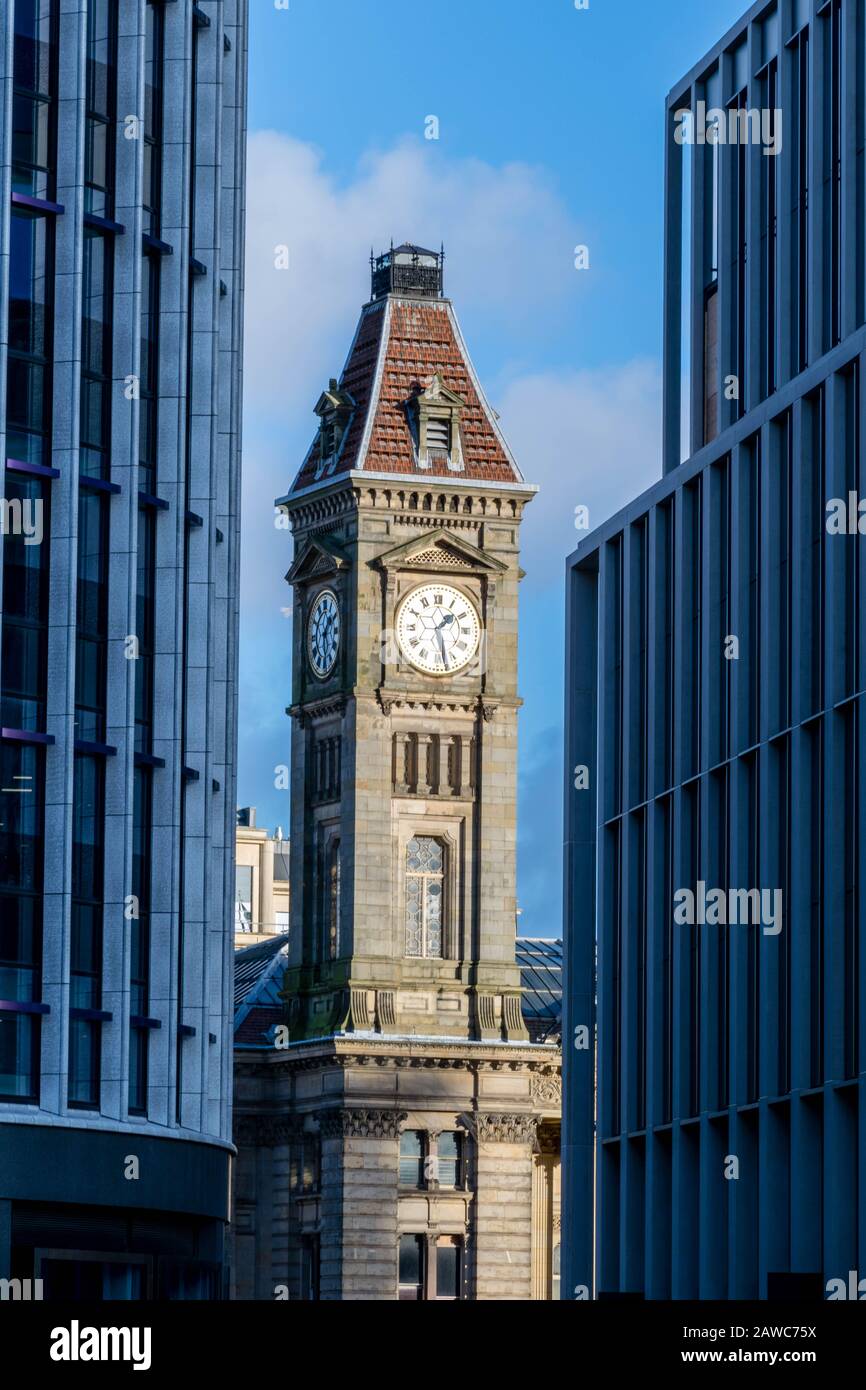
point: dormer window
(434, 414)
(328, 438)
(439, 438)
(334, 409)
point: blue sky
(550, 137)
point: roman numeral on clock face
(438, 629)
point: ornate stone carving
(546, 1090)
(505, 1128)
(361, 1124)
(548, 1140)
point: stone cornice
(317, 709)
(543, 1059)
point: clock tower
(406, 1055)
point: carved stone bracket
(361, 1124)
(505, 1128)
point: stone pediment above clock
(317, 557)
(440, 550)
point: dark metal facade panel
(728, 1042)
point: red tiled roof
(399, 347)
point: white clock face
(438, 629)
(323, 634)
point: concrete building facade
(122, 130)
(261, 881)
(714, 822)
(405, 1100)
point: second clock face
(438, 629)
(323, 634)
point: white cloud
(507, 234)
(588, 438)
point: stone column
(503, 1206)
(359, 1204)
(424, 783)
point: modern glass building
(121, 292)
(715, 720)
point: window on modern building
(449, 1268)
(34, 113)
(425, 891)
(148, 379)
(82, 1275)
(101, 107)
(88, 841)
(711, 169)
(737, 154)
(411, 1268)
(412, 1151)
(282, 921)
(152, 183)
(768, 85)
(145, 631)
(25, 607)
(91, 617)
(751, 790)
(95, 424)
(449, 1155)
(140, 939)
(711, 363)
(31, 317)
(797, 130)
(830, 22)
(244, 898)
(22, 771)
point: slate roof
(399, 346)
(258, 981)
(540, 962)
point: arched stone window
(425, 896)
(332, 900)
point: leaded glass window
(425, 888)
